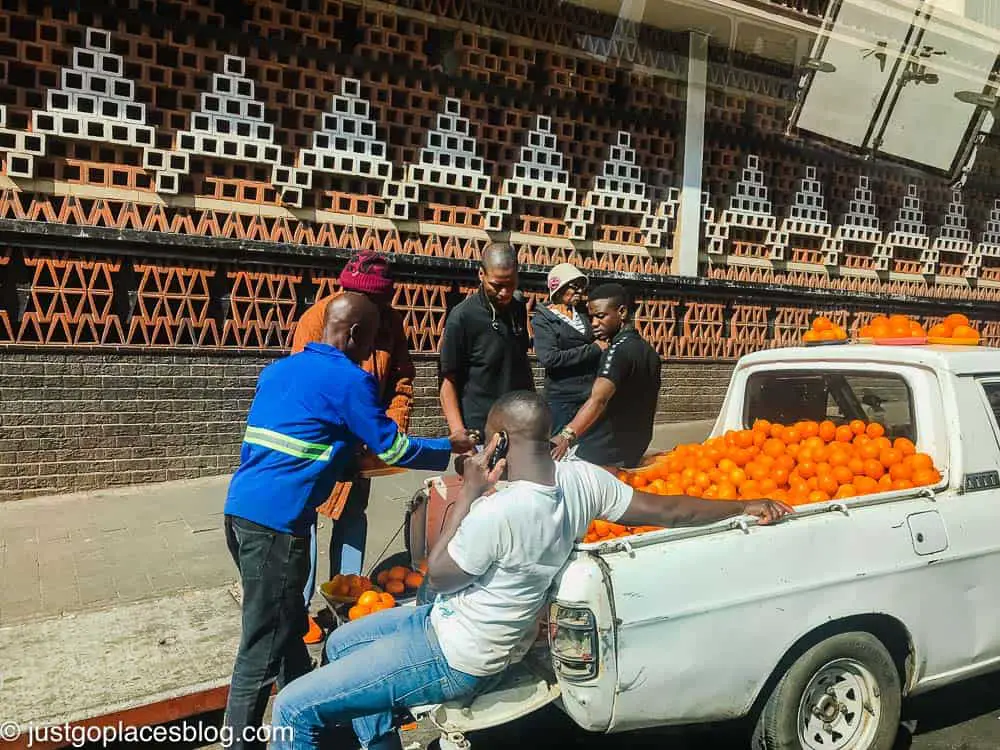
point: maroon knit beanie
(368, 273)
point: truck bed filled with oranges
(807, 462)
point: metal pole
(689, 229)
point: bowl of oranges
(893, 330)
(954, 330)
(824, 332)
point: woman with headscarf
(565, 345)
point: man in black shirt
(616, 422)
(484, 351)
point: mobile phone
(503, 444)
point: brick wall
(78, 421)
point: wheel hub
(840, 708)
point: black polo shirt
(485, 348)
(622, 434)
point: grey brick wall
(79, 421)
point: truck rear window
(787, 397)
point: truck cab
(813, 629)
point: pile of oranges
(824, 329)
(399, 579)
(348, 587)
(808, 462)
(601, 531)
(369, 602)
(955, 326)
(892, 327)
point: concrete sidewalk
(135, 577)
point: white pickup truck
(813, 630)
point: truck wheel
(842, 694)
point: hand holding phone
(503, 445)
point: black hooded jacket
(570, 358)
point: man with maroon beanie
(367, 273)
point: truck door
(971, 515)
(959, 538)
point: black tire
(778, 724)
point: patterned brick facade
(179, 179)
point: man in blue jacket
(309, 413)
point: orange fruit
(387, 599)
(842, 474)
(773, 447)
(777, 430)
(925, 477)
(920, 462)
(904, 446)
(357, 611)
(818, 496)
(737, 476)
(857, 426)
(846, 490)
(844, 434)
(869, 450)
(792, 435)
(727, 491)
(599, 526)
(762, 425)
(785, 462)
(779, 475)
(839, 457)
(822, 323)
(885, 483)
(807, 469)
(900, 329)
(965, 332)
(809, 428)
(413, 580)
(744, 438)
(864, 485)
(900, 470)
(940, 331)
(395, 586)
(368, 599)
(874, 469)
(750, 489)
(865, 332)
(827, 431)
(880, 330)
(828, 484)
(890, 457)
(810, 336)
(917, 330)
(875, 430)
(955, 320)
(902, 484)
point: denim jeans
(347, 539)
(273, 567)
(379, 664)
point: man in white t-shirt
(492, 568)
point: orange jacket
(391, 365)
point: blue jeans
(347, 539)
(379, 664)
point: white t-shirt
(515, 542)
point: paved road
(965, 717)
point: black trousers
(273, 570)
